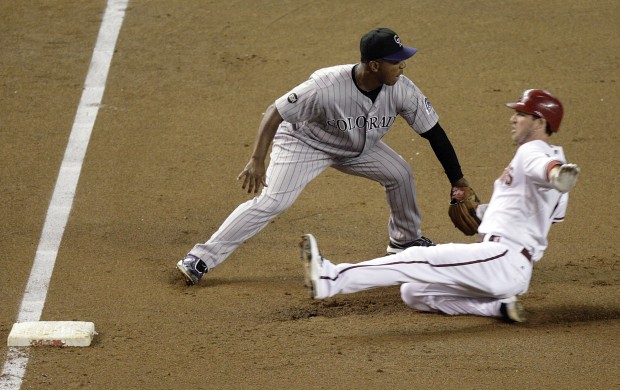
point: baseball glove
(462, 210)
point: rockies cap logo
(397, 40)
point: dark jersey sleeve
(444, 151)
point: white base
(51, 333)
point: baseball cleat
(512, 310)
(189, 269)
(312, 261)
(394, 248)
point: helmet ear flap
(548, 129)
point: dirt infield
(187, 87)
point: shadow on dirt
(562, 314)
(548, 315)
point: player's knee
(504, 290)
(402, 172)
(408, 295)
(400, 178)
(273, 205)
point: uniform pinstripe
(329, 122)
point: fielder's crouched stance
(336, 119)
(481, 278)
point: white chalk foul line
(62, 199)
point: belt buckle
(527, 254)
(524, 251)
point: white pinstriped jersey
(329, 113)
(524, 203)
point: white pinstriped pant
(294, 164)
(449, 278)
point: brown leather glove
(462, 209)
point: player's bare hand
(564, 177)
(254, 176)
(570, 169)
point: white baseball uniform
(329, 122)
(472, 278)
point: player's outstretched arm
(254, 173)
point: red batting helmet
(542, 104)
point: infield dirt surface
(188, 84)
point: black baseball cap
(383, 43)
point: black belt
(524, 251)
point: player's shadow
(562, 314)
(384, 302)
(387, 301)
(174, 278)
(387, 304)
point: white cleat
(313, 265)
(512, 310)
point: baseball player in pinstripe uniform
(482, 278)
(335, 119)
